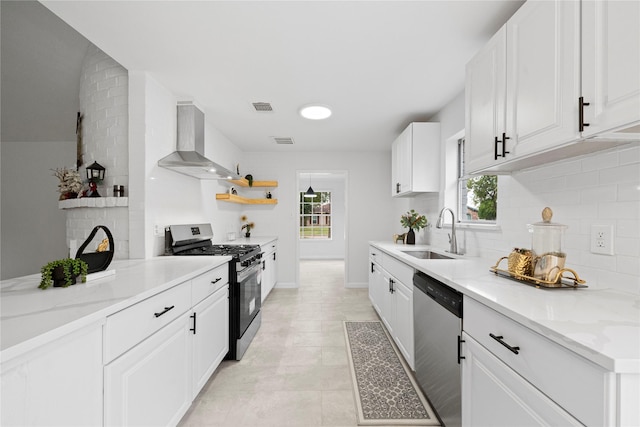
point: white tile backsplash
(601, 188)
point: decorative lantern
(95, 172)
(95, 175)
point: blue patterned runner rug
(385, 391)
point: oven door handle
(247, 271)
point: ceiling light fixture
(315, 112)
(310, 193)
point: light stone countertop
(31, 317)
(602, 325)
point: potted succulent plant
(413, 220)
(63, 273)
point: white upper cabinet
(485, 98)
(524, 88)
(543, 46)
(415, 164)
(611, 66)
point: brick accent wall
(104, 104)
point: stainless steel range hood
(188, 159)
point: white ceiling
(378, 64)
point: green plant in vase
(413, 221)
(63, 273)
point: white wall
(370, 205)
(600, 188)
(160, 197)
(333, 248)
(33, 230)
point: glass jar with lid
(546, 244)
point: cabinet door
(57, 384)
(268, 274)
(387, 303)
(610, 64)
(543, 53)
(495, 395)
(151, 383)
(485, 104)
(210, 333)
(401, 163)
(403, 328)
(376, 287)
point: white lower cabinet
(387, 303)
(58, 384)
(151, 383)
(376, 286)
(403, 328)
(393, 300)
(183, 337)
(210, 335)
(495, 395)
(512, 375)
(269, 268)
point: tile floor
(295, 372)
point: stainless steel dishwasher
(437, 322)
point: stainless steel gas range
(244, 279)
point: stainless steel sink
(427, 255)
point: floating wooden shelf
(232, 198)
(244, 183)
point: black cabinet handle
(460, 341)
(213, 282)
(397, 187)
(504, 144)
(391, 283)
(499, 338)
(496, 141)
(372, 268)
(274, 256)
(164, 311)
(264, 265)
(581, 105)
(193, 316)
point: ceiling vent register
(283, 140)
(262, 107)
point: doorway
(321, 221)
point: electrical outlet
(602, 239)
(158, 230)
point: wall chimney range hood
(188, 159)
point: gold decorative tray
(559, 282)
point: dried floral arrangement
(70, 182)
(247, 225)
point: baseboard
(357, 285)
(290, 285)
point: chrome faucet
(452, 238)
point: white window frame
(315, 219)
(452, 187)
